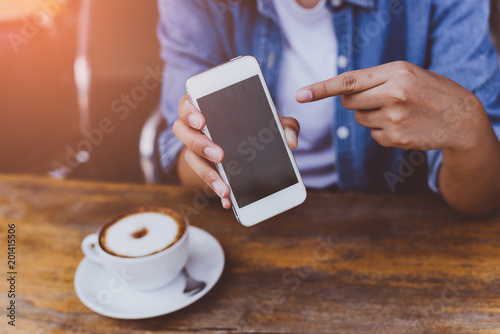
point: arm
(469, 179)
(189, 45)
(193, 38)
(461, 50)
(412, 108)
(426, 109)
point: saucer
(101, 292)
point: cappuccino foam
(141, 234)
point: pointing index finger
(344, 84)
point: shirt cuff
(497, 131)
(435, 160)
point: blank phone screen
(241, 122)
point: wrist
(475, 129)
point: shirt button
(342, 132)
(342, 62)
(336, 3)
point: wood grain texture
(339, 263)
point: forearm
(470, 181)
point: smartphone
(241, 118)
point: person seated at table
(393, 79)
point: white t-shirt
(310, 55)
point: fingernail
(226, 204)
(219, 188)
(303, 95)
(212, 153)
(292, 134)
(194, 121)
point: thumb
(292, 129)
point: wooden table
(337, 264)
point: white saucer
(96, 287)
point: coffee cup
(146, 248)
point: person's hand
(407, 107)
(200, 152)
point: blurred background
(68, 68)
(79, 80)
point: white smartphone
(241, 118)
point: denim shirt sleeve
(461, 49)
(190, 43)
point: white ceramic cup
(146, 272)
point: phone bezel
(225, 75)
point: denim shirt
(450, 37)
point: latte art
(142, 233)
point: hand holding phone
(236, 109)
(195, 159)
